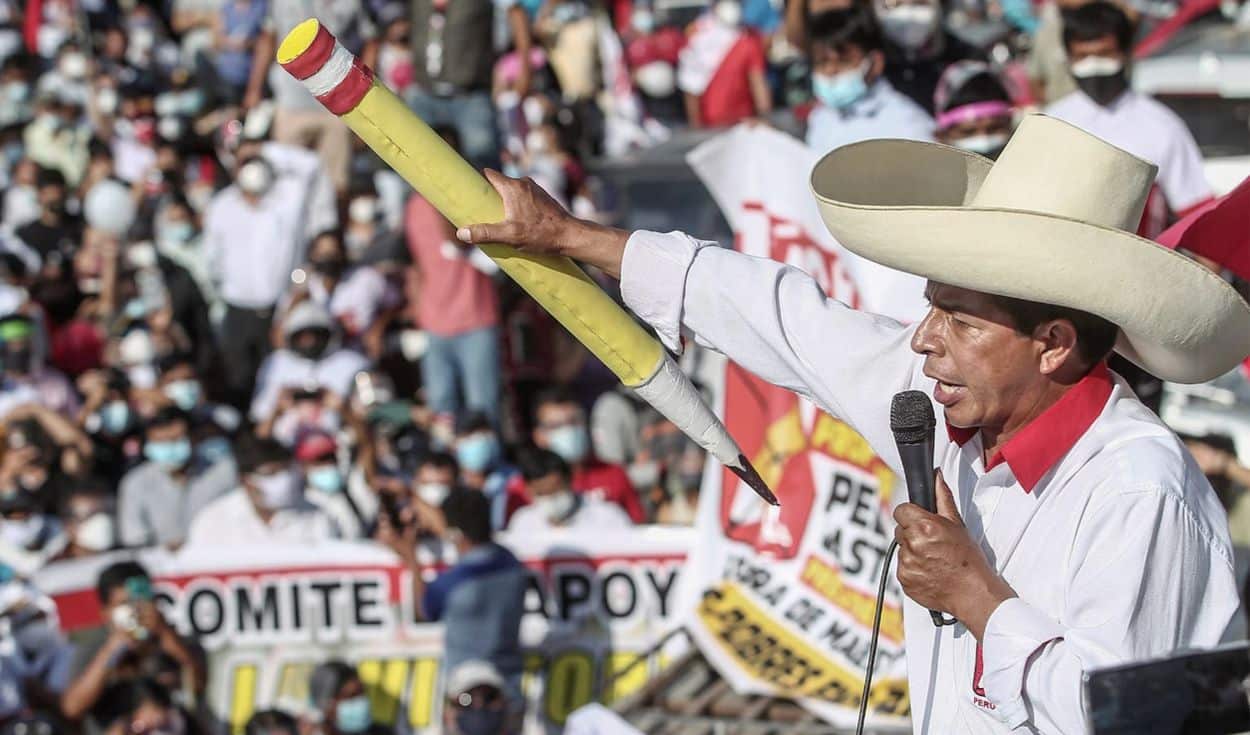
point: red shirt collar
(1043, 441)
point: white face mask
(728, 12)
(106, 100)
(533, 110)
(279, 490)
(982, 144)
(910, 26)
(1096, 66)
(433, 493)
(363, 210)
(557, 506)
(73, 65)
(255, 178)
(536, 142)
(97, 533)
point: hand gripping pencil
(348, 88)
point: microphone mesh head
(911, 416)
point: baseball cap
(472, 674)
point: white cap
(472, 674)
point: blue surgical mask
(326, 478)
(840, 90)
(352, 715)
(184, 393)
(572, 443)
(171, 455)
(178, 232)
(213, 449)
(478, 452)
(114, 417)
(136, 309)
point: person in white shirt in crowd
(417, 506)
(353, 294)
(554, 505)
(29, 537)
(268, 507)
(255, 234)
(158, 499)
(1073, 530)
(310, 361)
(89, 517)
(1098, 37)
(178, 237)
(854, 100)
(325, 484)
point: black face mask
(332, 267)
(312, 349)
(17, 359)
(480, 721)
(1104, 89)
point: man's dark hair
(122, 699)
(1095, 336)
(175, 359)
(252, 452)
(90, 487)
(469, 512)
(472, 422)
(327, 680)
(115, 575)
(539, 463)
(1095, 20)
(167, 416)
(555, 395)
(440, 460)
(49, 177)
(979, 88)
(841, 30)
(271, 722)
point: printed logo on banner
(791, 591)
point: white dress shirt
(882, 113)
(592, 514)
(285, 369)
(232, 520)
(1148, 130)
(1096, 516)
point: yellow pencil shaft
(464, 197)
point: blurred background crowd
(223, 321)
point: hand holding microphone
(940, 565)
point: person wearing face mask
(1099, 40)
(268, 507)
(560, 426)
(479, 599)
(355, 294)
(477, 702)
(311, 359)
(854, 100)
(88, 515)
(555, 505)
(144, 707)
(177, 236)
(721, 69)
(974, 109)
(917, 47)
(484, 468)
(326, 486)
(29, 538)
(254, 233)
(59, 137)
(158, 499)
(338, 697)
(56, 234)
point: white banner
(788, 593)
(267, 615)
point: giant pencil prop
(348, 88)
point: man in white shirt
(255, 234)
(554, 505)
(1099, 40)
(1073, 529)
(268, 508)
(854, 100)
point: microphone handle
(917, 462)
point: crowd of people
(225, 322)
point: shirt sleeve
(1139, 554)
(1183, 180)
(775, 321)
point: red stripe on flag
(348, 93)
(314, 57)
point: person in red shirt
(453, 299)
(721, 70)
(560, 426)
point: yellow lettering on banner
(773, 654)
(630, 682)
(570, 684)
(242, 697)
(293, 681)
(841, 442)
(531, 672)
(827, 582)
(421, 694)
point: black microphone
(912, 421)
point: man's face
(554, 416)
(428, 474)
(829, 61)
(1106, 47)
(481, 709)
(990, 125)
(52, 197)
(546, 486)
(985, 369)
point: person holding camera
(134, 631)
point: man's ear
(876, 66)
(1057, 343)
